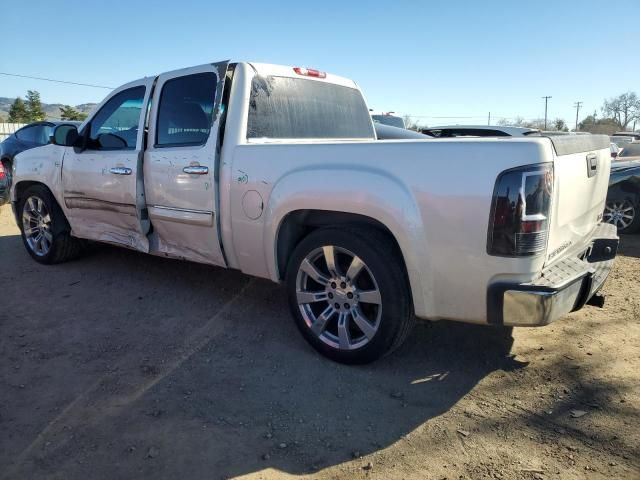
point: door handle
(120, 170)
(196, 170)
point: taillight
(519, 222)
(2, 172)
(309, 72)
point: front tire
(349, 294)
(46, 234)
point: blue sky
(424, 58)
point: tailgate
(581, 170)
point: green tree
(69, 113)
(18, 112)
(560, 125)
(34, 106)
(592, 124)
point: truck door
(102, 185)
(180, 164)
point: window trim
(89, 124)
(157, 117)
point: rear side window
(29, 134)
(185, 111)
(282, 107)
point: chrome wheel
(619, 213)
(338, 297)
(36, 225)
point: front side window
(185, 111)
(43, 134)
(295, 108)
(115, 126)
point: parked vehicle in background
(33, 135)
(630, 152)
(621, 140)
(632, 135)
(388, 119)
(276, 171)
(623, 198)
(387, 132)
(615, 150)
(4, 185)
(449, 131)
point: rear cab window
(296, 108)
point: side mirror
(65, 135)
(614, 154)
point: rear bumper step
(562, 288)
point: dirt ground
(121, 365)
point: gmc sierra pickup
(276, 171)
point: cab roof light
(310, 72)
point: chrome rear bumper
(562, 288)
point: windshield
(631, 150)
(295, 108)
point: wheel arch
(625, 189)
(298, 224)
(21, 187)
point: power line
(53, 80)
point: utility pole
(489, 119)
(577, 105)
(546, 100)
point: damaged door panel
(102, 180)
(180, 163)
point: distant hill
(52, 110)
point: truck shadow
(134, 366)
(629, 245)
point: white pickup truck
(276, 171)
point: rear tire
(46, 234)
(349, 294)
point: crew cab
(276, 171)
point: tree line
(30, 110)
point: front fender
(368, 193)
(41, 165)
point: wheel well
(22, 187)
(624, 189)
(300, 223)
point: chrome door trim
(179, 215)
